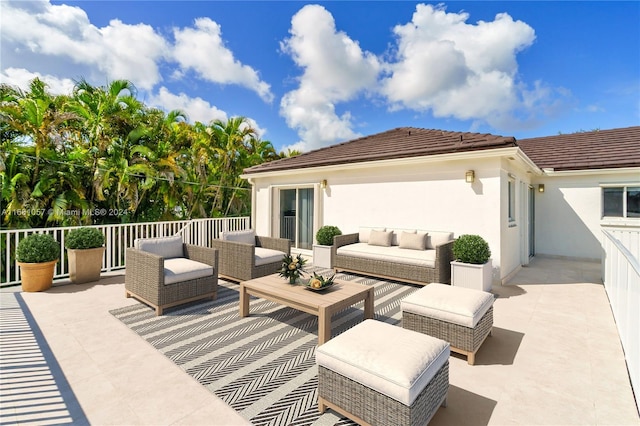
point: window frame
(625, 207)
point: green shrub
(325, 235)
(84, 238)
(471, 249)
(37, 248)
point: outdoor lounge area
(554, 357)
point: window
(512, 199)
(621, 201)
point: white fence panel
(622, 283)
(117, 238)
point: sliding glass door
(296, 217)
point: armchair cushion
(167, 247)
(247, 236)
(181, 269)
(264, 256)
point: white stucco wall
(411, 195)
(569, 213)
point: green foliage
(99, 155)
(325, 235)
(471, 249)
(84, 238)
(37, 248)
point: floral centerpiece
(292, 267)
(318, 282)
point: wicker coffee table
(322, 304)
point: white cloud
(64, 33)
(202, 49)
(19, 77)
(335, 69)
(460, 70)
(196, 109)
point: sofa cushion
(426, 258)
(413, 241)
(380, 238)
(435, 238)
(265, 256)
(182, 269)
(363, 233)
(397, 234)
(458, 305)
(247, 236)
(394, 361)
(167, 247)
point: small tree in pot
(323, 250)
(472, 264)
(85, 248)
(37, 255)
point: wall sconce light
(541, 187)
(469, 176)
(323, 184)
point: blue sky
(310, 74)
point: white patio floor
(554, 358)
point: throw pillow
(380, 238)
(167, 247)
(247, 237)
(363, 234)
(417, 241)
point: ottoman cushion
(458, 305)
(394, 361)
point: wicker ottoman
(461, 316)
(380, 374)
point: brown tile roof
(402, 142)
(600, 149)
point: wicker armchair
(162, 279)
(245, 256)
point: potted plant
(322, 252)
(85, 248)
(292, 268)
(471, 266)
(37, 255)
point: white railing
(117, 238)
(622, 283)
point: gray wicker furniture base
(365, 375)
(463, 317)
(388, 268)
(145, 277)
(238, 259)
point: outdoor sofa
(409, 255)
(244, 255)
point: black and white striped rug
(262, 365)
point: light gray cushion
(363, 233)
(181, 269)
(247, 236)
(394, 361)
(435, 238)
(265, 256)
(397, 233)
(167, 247)
(415, 241)
(380, 238)
(458, 305)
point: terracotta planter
(478, 277)
(37, 276)
(322, 256)
(85, 265)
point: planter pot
(322, 256)
(37, 276)
(85, 265)
(478, 277)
